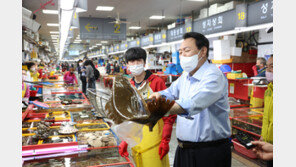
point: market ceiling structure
(134, 11)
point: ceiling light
(104, 41)
(46, 11)
(52, 24)
(54, 32)
(134, 27)
(99, 44)
(73, 27)
(155, 17)
(67, 5)
(105, 8)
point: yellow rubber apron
(24, 90)
(146, 154)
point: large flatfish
(127, 104)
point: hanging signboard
(75, 20)
(217, 23)
(260, 12)
(134, 43)
(241, 15)
(175, 34)
(116, 48)
(188, 27)
(111, 49)
(147, 40)
(157, 38)
(101, 29)
(123, 46)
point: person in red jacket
(157, 141)
(70, 77)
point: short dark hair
(135, 53)
(262, 60)
(200, 40)
(30, 64)
(89, 62)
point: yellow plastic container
(222, 61)
(234, 75)
(59, 115)
(85, 127)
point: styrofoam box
(236, 51)
(222, 9)
(231, 38)
(221, 49)
(231, 5)
(214, 9)
(216, 5)
(204, 11)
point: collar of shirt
(200, 72)
(261, 70)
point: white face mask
(189, 63)
(33, 69)
(80, 64)
(24, 77)
(136, 69)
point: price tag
(231, 88)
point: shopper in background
(124, 68)
(157, 141)
(267, 124)
(32, 66)
(70, 77)
(263, 150)
(40, 70)
(89, 73)
(260, 67)
(108, 67)
(201, 102)
(81, 71)
(28, 74)
(25, 87)
(116, 68)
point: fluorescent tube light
(67, 4)
(52, 24)
(155, 17)
(54, 32)
(104, 41)
(73, 27)
(105, 8)
(134, 27)
(99, 44)
(46, 11)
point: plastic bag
(130, 132)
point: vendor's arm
(171, 93)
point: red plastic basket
(33, 93)
(241, 149)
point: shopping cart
(99, 98)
